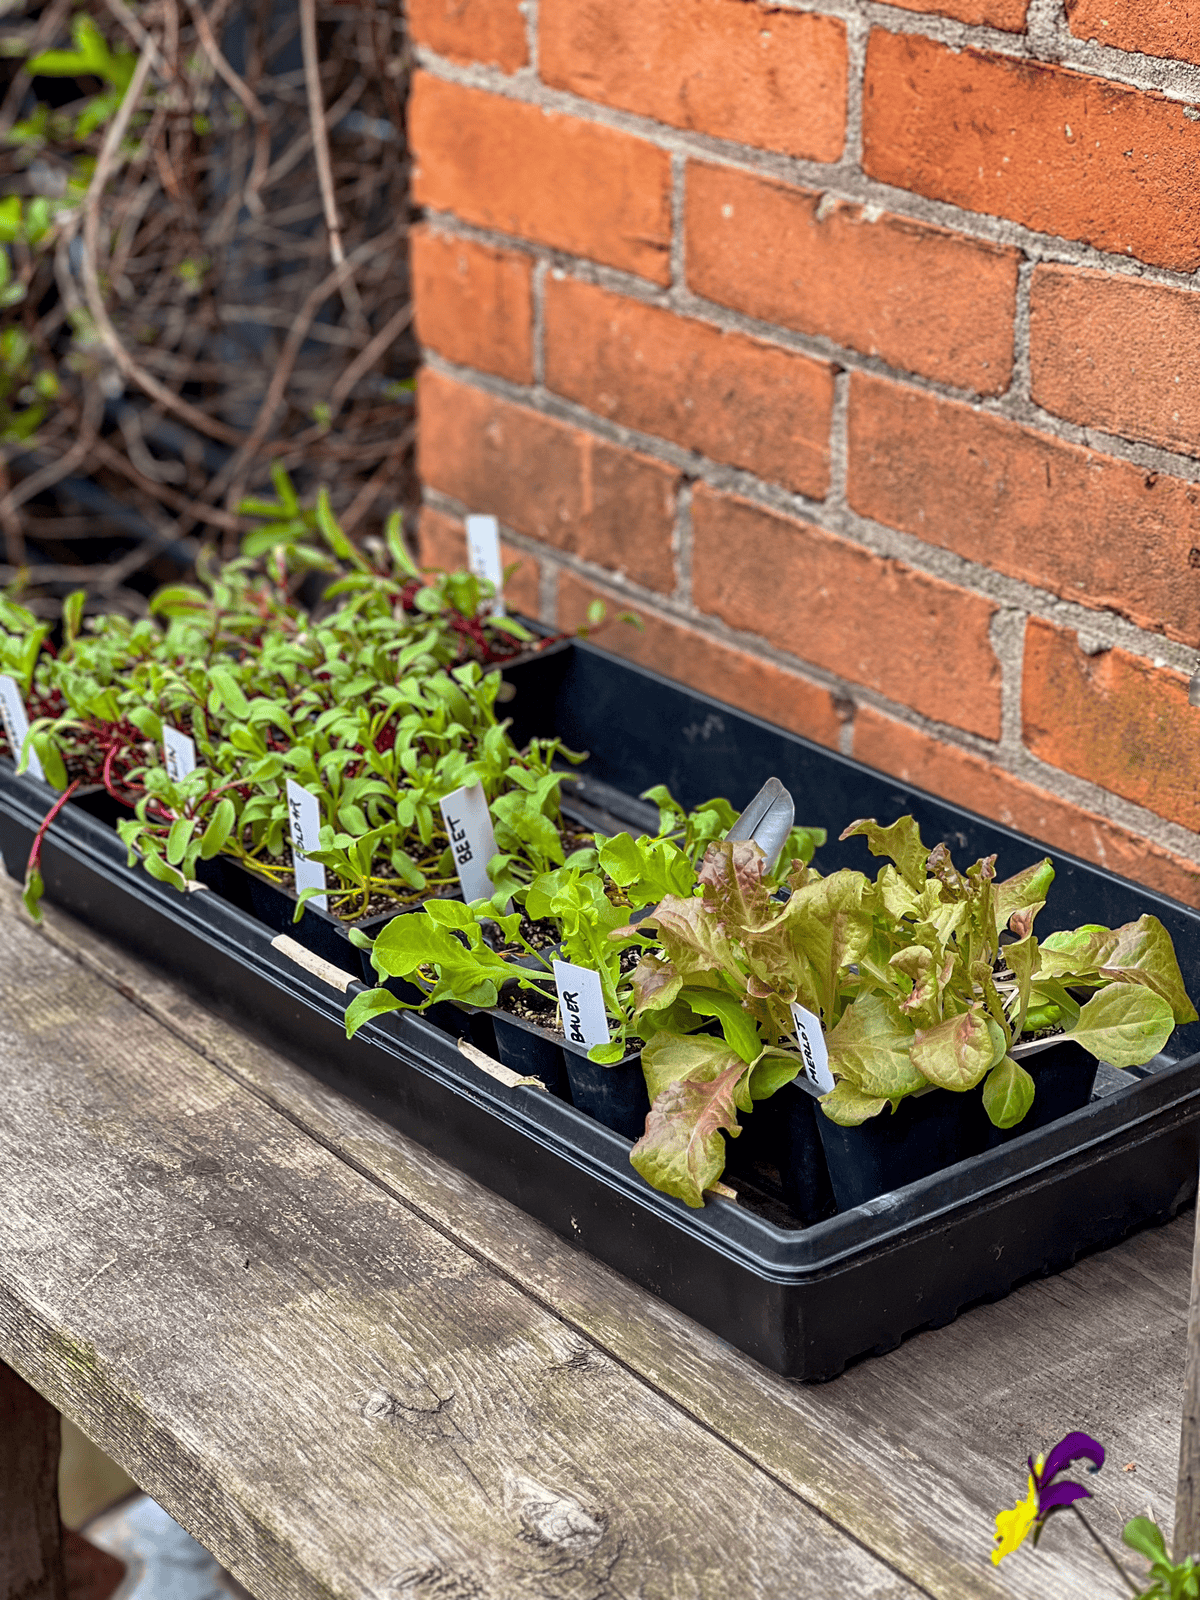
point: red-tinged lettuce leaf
(1023, 891)
(850, 1107)
(1077, 952)
(733, 877)
(869, 1049)
(668, 1057)
(1008, 1093)
(656, 983)
(1124, 1024)
(957, 1053)
(697, 1087)
(916, 963)
(1143, 953)
(693, 937)
(901, 843)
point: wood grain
(31, 1559)
(911, 1453)
(1187, 1493)
(328, 1391)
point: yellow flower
(1012, 1527)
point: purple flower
(1051, 1495)
(1044, 1494)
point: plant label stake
(811, 1040)
(16, 724)
(179, 753)
(483, 556)
(469, 826)
(581, 1004)
(305, 813)
(767, 820)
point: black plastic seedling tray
(802, 1300)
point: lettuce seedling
(924, 976)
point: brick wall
(857, 348)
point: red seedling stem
(35, 854)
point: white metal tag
(16, 724)
(304, 810)
(469, 824)
(812, 1047)
(483, 556)
(581, 1004)
(179, 753)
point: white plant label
(304, 811)
(469, 825)
(812, 1047)
(581, 1004)
(16, 724)
(179, 752)
(483, 556)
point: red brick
(971, 781)
(921, 642)
(1008, 15)
(1118, 354)
(1059, 151)
(922, 298)
(1153, 27)
(1086, 526)
(705, 663)
(549, 481)
(1113, 718)
(736, 400)
(491, 31)
(735, 69)
(443, 544)
(568, 184)
(473, 304)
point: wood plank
(327, 1390)
(912, 1453)
(1187, 1492)
(31, 1557)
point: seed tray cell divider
(803, 1301)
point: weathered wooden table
(350, 1371)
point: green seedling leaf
(607, 1054)
(1125, 1024)
(737, 1025)
(1144, 1536)
(230, 694)
(220, 826)
(72, 612)
(177, 840)
(370, 1004)
(47, 752)
(32, 897)
(162, 870)
(1007, 1093)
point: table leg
(31, 1563)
